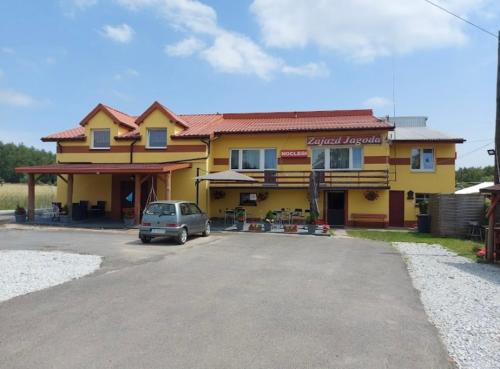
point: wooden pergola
(141, 172)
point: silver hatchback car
(177, 219)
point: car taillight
(171, 225)
(146, 224)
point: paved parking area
(227, 301)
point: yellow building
(371, 171)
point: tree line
(18, 155)
(465, 177)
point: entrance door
(335, 208)
(127, 193)
(396, 208)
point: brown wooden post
(490, 242)
(69, 195)
(31, 197)
(168, 186)
(137, 199)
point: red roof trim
(164, 110)
(116, 116)
(103, 168)
(299, 114)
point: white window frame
(327, 158)
(421, 149)
(148, 146)
(262, 159)
(92, 138)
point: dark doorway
(396, 208)
(335, 208)
(127, 193)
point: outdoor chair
(55, 213)
(99, 209)
(475, 231)
(229, 214)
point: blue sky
(58, 59)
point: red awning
(103, 168)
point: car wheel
(182, 237)
(145, 239)
(206, 232)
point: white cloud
(308, 70)
(377, 102)
(129, 72)
(362, 29)
(186, 47)
(83, 4)
(16, 99)
(229, 52)
(235, 53)
(71, 7)
(122, 33)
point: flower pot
(129, 222)
(423, 223)
(20, 218)
(311, 228)
(267, 227)
(287, 228)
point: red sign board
(345, 140)
(293, 153)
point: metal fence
(451, 214)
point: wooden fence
(451, 214)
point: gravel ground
(462, 299)
(23, 271)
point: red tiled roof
(103, 168)
(117, 116)
(206, 125)
(72, 134)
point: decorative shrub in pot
(128, 217)
(424, 219)
(20, 214)
(311, 224)
(269, 221)
(240, 219)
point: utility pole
(497, 125)
(490, 250)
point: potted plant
(240, 219)
(423, 218)
(290, 228)
(269, 220)
(128, 217)
(254, 227)
(20, 214)
(311, 223)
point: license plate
(157, 231)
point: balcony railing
(327, 179)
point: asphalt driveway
(227, 301)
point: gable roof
(73, 134)
(116, 116)
(164, 110)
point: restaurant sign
(345, 140)
(293, 153)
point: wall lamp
(491, 152)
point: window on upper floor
(337, 158)
(422, 160)
(101, 139)
(157, 138)
(253, 159)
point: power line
(475, 150)
(462, 19)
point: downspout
(132, 150)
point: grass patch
(461, 247)
(12, 194)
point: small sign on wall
(293, 153)
(344, 140)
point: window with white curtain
(337, 158)
(253, 159)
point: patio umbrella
(226, 176)
(314, 193)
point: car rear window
(160, 209)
